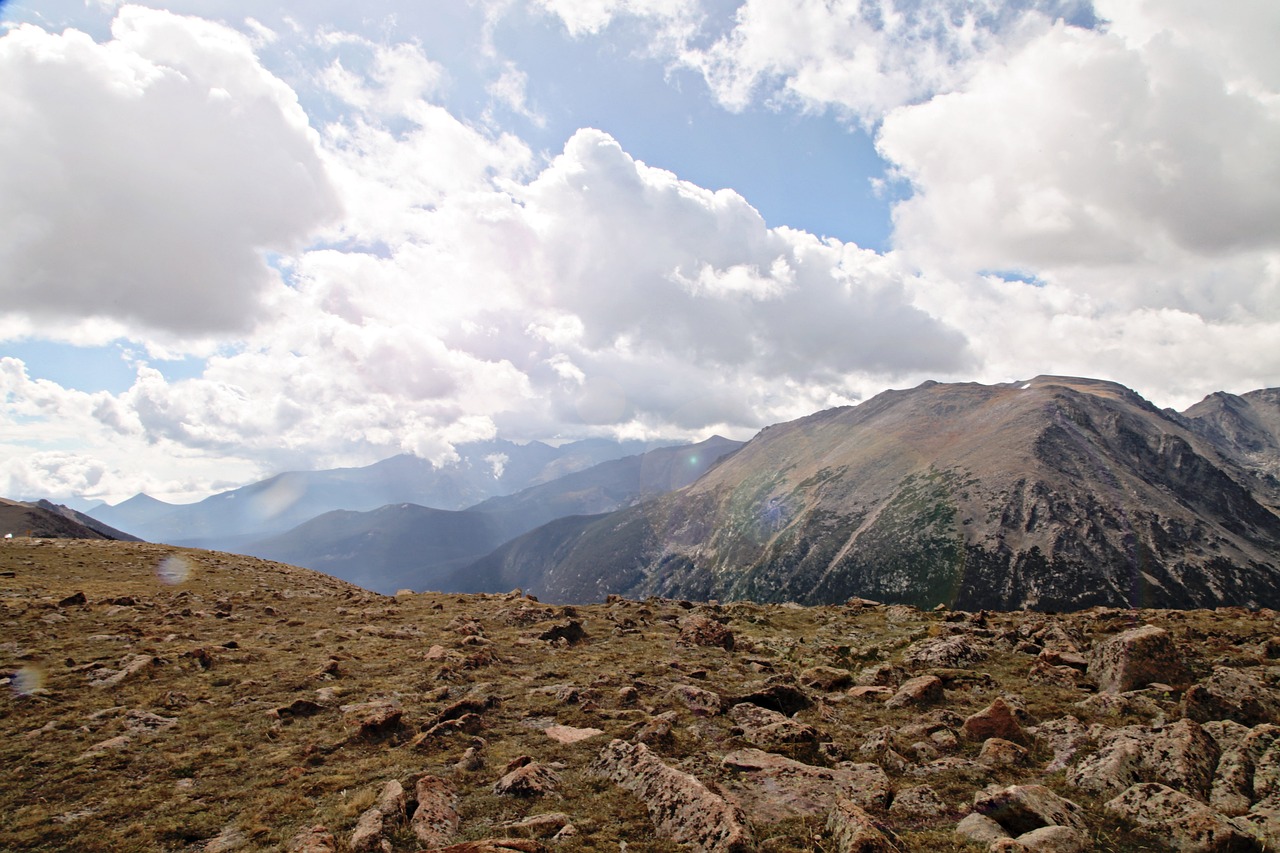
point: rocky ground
(163, 699)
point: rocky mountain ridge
(166, 699)
(1055, 493)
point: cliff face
(1058, 493)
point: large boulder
(1181, 756)
(772, 787)
(1182, 823)
(1229, 694)
(1137, 658)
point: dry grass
(237, 638)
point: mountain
(45, 520)
(231, 519)
(1246, 429)
(410, 546)
(1058, 493)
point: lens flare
(173, 570)
(28, 680)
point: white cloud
(144, 177)
(1134, 164)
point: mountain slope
(45, 520)
(1058, 493)
(409, 546)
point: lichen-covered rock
(699, 700)
(921, 690)
(436, 819)
(826, 678)
(917, 803)
(772, 787)
(1229, 694)
(700, 630)
(958, 650)
(769, 729)
(1022, 808)
(1179, 821)
(528, 780)
(1182, 756)
(998, 752)
(854, 831)
(1065, 737)
(367, 837)
(681, 807)
(980, 829)
(1135, 659)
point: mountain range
(230, 519)
(1056, 493)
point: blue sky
(236, 240)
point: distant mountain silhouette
(229, 520)
(410, 546)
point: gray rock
(1135, 659)
(1179, 821)
(854, 831)
(681, 807)
(1229, 694)
(1022, 808)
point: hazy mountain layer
(1057, 493)
(409, 546)
(232, 519)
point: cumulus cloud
(145, 176)
(1131, 149)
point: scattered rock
(771, 730)
(569, 734)
(700, 630)
(315, 839)
(956, 651)
(681, 807)
(1065, 737)
(1052, 839)
(1171, 817)
(528, 780)
(1182, 755)
(367, 836)
(771, 787)
(921, 690)
(74, 600)
(1135, 659)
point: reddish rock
(980, 829)
(681, 807)
(996, 720)
(854, 831)
(921, 690)
(1135, 659)
(870, 693)
(494, 845)
(700, 630)
(998, 752)
(367, 836)
(436, 819)
(315, 839)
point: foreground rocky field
(162, 699)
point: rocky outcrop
(1229, 694)
(771, 730)
(771, 787)
(681, 807)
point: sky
(240, 238)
